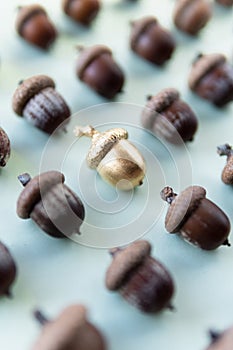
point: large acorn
(115, 158)
(7, 270)
(54, 207)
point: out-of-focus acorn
(82, 11)
(8, 270)
(5, 148)
(225, 2)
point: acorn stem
(214, 335)
(8, 294)
(79, 48)
(114, 251)
(226, 242)
(40, 317)
(197, 57)
(171, 307)
(88, 131)
(168, 195)
(24, 179)
(225, 150)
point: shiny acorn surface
(116, 159)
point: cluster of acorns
(134, 273)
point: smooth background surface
(55, 273)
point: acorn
(71, 330)
(8, 270)
(227, 173)
(53, 206)
(221, 341)
(5, 148)
(142, 280)
(225, 2)
(191, 16)
(40, 104)
(167, 116)
(34, 26)
(97, 68)
(151, 41)
(116, 159)
(211, 77)
(195, 218)
(81, 11)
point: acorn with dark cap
(142, 280)
(8, 270)
(221, 341)
(40, 104)
(81, 11)
(54, 207)
(71, 330)
(167, 116)
(211, 78)
(34, 26)
(5, 148)
(195, 218)
(227, 173)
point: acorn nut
(71, 330)
(167, 116)
(151, 41)
(227, 173)
(97, 68)
(53, 206)
(221, 341)
(82, 11)
(40, 104)
(191, 16)
(8, 270)
(5, 148)
(115, 158)
(225, 2)
(195, 218)
(34, 26)
(140, 279)
(211, 77)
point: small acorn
(211, 77)
(191, 16)
(39, 103)
(116, 159)
(221, 341)
(227, 173)
(53, 206)
(151, 41)
(71, 330)
(5, 148)
(8, 270)
(195, 218)
(167, 116)
(82, 11)
(140, 279)
(225, 2)
(34, 26)
(97, 68)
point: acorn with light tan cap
(195, 218)
(71, 330)
(227, 173)
(115, 158)
(211, 77)
(81, 11)
(5, 148)
(142, 280)
(221, 341)
(191, 16)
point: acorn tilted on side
(8, 270)
(227, 173)
(5, 148)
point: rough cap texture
(5, 148)
(87, 55)
(124, 261)
(25, 12)
(202, 66)
(29, 88)
(139, 26)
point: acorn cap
(182, 207)
(139, 26)
(180, 7)
(202, 66)
(33, 190)
(25, 12)
(29, 88)
(89, 54)
(5, 148)
(124, 261)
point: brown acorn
(227, 173)
(225, 2)
(191, 16)
(167, 116)
(38, 102)
(34, 26)
(8, 270)
(82, 11)
(211, 77)
(140, 279)
(5, 148)
(97, 68)
(195, 218)
(71, 330)
(221, 341)
(53, 206)
(151, 41)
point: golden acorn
(116, 159)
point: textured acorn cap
(25, 12)
(31, 194)
(124, 261)
(182, 206)
(139, 26)
(202, 66)
(29, 88)
(89, 54)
